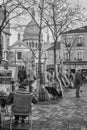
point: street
(68, 113)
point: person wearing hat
(78, 80)
(22, 89)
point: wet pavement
(68, 113)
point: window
(19, 55)
(66, 56)
(80, 41)
(79, 55)
(36, 44)
(27, 43)
(30, 44)
(68, 42)
(33, 44)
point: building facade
(50, 56)
(75, 48)
(19, 54)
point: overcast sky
(13, 37)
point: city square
(43, 65)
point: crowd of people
(68, 79)
(26, 84)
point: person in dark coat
(22, 88)
(78, 81)
(22, 74)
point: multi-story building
(75, 48)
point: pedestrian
(50, 78)
(31, 78)
(22, 74)
(12, 85)
(78, 81)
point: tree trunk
(69, 61)
(54, 60)
(0, 48)
(39, 62)
(0, 63)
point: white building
(76, 40)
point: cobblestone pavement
(68, 113)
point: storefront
(74, 64)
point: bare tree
(40, 7)
(9, 10)
(69, 43)
(59, 17)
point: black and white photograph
(43, 64)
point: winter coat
(77, 79)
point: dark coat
(77, 79)
(11, 95)
(20, 90)
(22, 74)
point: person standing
(78, 81)
(22, 74)
(30, 78)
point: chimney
(19, 37)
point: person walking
(78, 81)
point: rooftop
(52, 46)
(77, 30)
